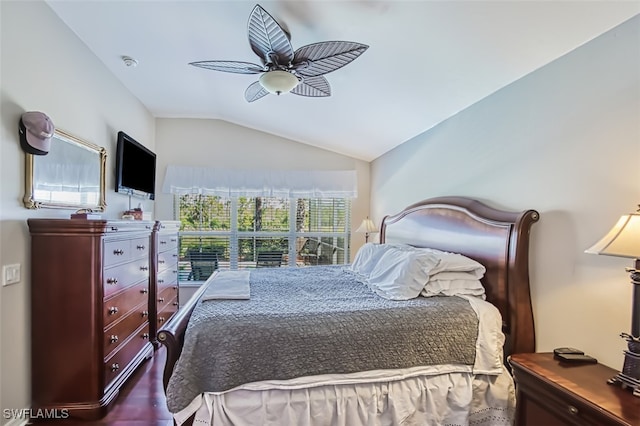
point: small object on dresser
(576, 358)
(85, 214)
(136, 213)
(558, 351)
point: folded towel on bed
(227, 285)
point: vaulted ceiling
(427, 60)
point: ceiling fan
(283, 69)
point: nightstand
(553, 393)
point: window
(237, 232)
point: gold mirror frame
(32, 162)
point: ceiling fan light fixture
(278, 81)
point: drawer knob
(118, 252)
(160, 281)
(112, 281)
(175, 303)
(144, 291)
(140, 247)
(113, 310)
(145, 335)
(113, 338)
(144, 268)
(163, 242)
(161, 299)
(161, 319)
(573, 410)
(145, 314)
(161, 262)
(115, 367)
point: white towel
(228, 284)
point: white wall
(564, 140)
(215, 143)
(45, 67)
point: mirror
(71, 175)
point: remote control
(576, 358)
(574, 351)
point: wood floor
(141, 401)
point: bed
(406, 375)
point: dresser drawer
(119, 332)
(166, 295)
(120, 251)
(167, 242)
(167, 311)
(167, 260)
(120, 277)
(118, 360)
(120, 305)
(167, 278)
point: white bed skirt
(444, 399)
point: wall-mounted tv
(135, 168)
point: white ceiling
(427, 60)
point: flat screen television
(135, 168)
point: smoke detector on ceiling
(129, 61)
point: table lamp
(368, 227)
(623, 240)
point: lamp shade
(623, 240)
(278, 81)
(367, 226)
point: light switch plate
(10, 274)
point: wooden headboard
(497, 239)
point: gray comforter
(316, 320)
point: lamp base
(630, 375)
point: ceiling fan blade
(230, 66)
(322, 58)
(315, 87)
(255, 91)
(267, 38)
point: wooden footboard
(171, 334)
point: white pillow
(369, 255)
(455, 262)
(401, 274)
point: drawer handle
(175, 303)
(115, 367)
(145, 314)
(113, 310)
(160, 319)
(160, 281)
(161, 261)
(145, 335)
(163, 242)
(144, 268)
(140, 247)
(113, 338)
(573, 410)
(114, 228)
(173, 240)
(174, 255)
(112, 281)
(144, 291)
(161, 299)
(118, 252)
(175, 287)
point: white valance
(261, 183)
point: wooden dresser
(90, 313)
(164, 295)
(551, 392)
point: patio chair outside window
(309, 252)
(203, 263)
(269, 259)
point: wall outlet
(10, 274)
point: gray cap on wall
(36, 131)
